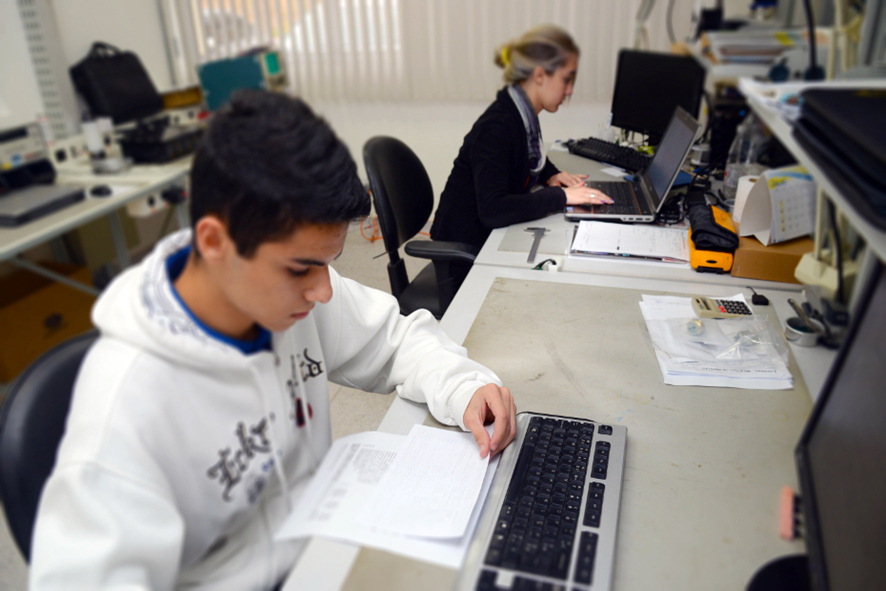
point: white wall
(133, 25)
(20, 101)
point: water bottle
(749, 143)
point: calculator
(714, 308)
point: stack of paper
(415, 495)
(755, 47)
(642, 241)
(741, 353)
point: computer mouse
(100, 191)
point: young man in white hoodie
(202, 410)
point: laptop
(640, 199)
(35, 201)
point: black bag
(707, 234)
(115, 84)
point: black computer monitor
(649, 85)
(841, 457)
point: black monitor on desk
(650, 85)
(841, 457)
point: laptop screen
(675, 145)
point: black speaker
(728, 109)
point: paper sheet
(431, 488)
(643, 241)
(349, 477)
(615, 171)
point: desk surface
(704, 465)
(142, 180)
(509, 247)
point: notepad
(632, 241)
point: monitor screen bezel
(623, 72)
(813, 535)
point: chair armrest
(438, 250)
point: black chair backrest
(32, 422)
(401, 190)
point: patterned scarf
(533, 131)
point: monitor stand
(788, 573)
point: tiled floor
(435, 132)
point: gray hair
(547, 46)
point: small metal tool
(539, 232)
(813, 326)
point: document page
(646, 241)
(432, 486)
(349, 478)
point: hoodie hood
(139, 308)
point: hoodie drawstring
(275, 451)
(302, 400)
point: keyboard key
(486, 581)
(519, 474)
(493, 557)
(592, 518)
(526, 584)
(587, 550)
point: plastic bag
(736, 343)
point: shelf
(873, 236)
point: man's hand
(491, 403)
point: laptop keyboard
(603, 151)
(623, 199)
(548, 525)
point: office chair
(404, 199)
(32, 422)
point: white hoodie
(169, 474)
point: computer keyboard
(603, 151)
(550, 518)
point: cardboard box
(36, 314)
(775, 262)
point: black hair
(268, 164)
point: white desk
(509, 247)
(140, 181)
(715, 458)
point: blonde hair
(547, 46)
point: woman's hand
(585, 196)
(565, 179)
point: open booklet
(415, 495)
(641, 241)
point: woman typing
(503, 157)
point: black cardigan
(489, 183)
